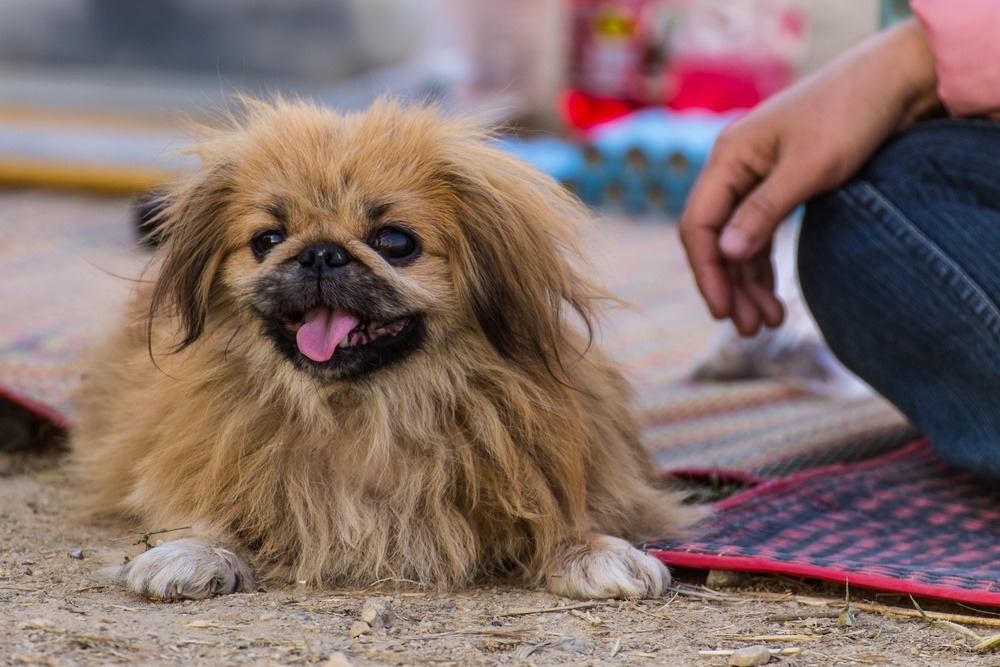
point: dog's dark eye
(394, 243)
(264, 242)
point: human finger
(745, 315)
(709, 269)
(758, 282)
(721, 185)
(755, 219)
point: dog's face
(344, 274)
(352, 243)
(332, 310)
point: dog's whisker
(240, 311)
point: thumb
(752, 224)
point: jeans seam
(931, 125)
(952, 273)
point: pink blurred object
(717, 55)
(731, 54)
(963, 37)
(720, 83)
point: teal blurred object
(891, 11)
(645, 163)
(557, 158)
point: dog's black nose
(322, 257)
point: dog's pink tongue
(322, 329)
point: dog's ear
(147, 212)
(188, 230)
(517, 238)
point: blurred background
(93, 93)
(620, 100)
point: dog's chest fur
(420, 480)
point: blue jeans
(901, 269)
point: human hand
(806, 140)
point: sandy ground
(59, 607)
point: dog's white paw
(606, 567)
(186, 569)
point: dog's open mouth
(321, 331)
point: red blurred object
(613, 58)
(727, 83)
(584, 111)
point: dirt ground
(59, 607)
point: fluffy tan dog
(364, 353)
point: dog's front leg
(601, 566)
(191, 568)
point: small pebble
(77, 554)
(727, 579)
(573, 644)
(359, 628)
(337, 659)
(378, 612)
(750, 656)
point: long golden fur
(500, 443)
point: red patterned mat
(905, 523)
(65, 268)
